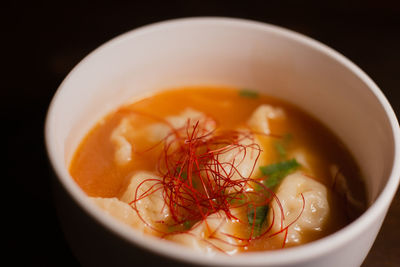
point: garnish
(197, 180)
(181, 173)
(247, 93)
(287, 137)
(281, 146)
(239, 199)
(187, 225)
(256, 217)
(276, 172)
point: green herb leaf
(248, 93)
(280, 148)
(281, 145)
(285, 166)
(187, 225)
(256, 216)
(287, 138)
(182, 174)
(238, 199)
(276, 172)
(195, 184)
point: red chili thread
(190, 155)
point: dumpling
(314, 218)
(308, 160)
(206, 125)
(148, 189)
(259, 123)
(193, 115)
(341, 186)
(241, 161)
(122, 135)
(211, 236)
(119, 210)
(259, 120)
(123, 148)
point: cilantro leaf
(281, 145)
(248, 93)
(187, 225)
(287, 138)
(237, 199)
(181, 173)
(280, 148)
(276, 172)
(256, 216)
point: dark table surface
(43, 41)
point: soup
(220, 170)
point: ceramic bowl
(229, 52)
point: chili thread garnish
(196, 182)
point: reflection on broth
(220, 170)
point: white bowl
(231, 52)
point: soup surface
(220, 170)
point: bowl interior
(223, 52)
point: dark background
(41, 42)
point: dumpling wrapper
(259, 120)
(342, 188)
(119, 210)
(119, 138)
(148, 189)
(122, 135)
(314, 218)
(210, 236)
(308, 160)
(159, 131)
(259, 124)
(242, 161)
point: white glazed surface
(243, 54)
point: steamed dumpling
(148, 189)
(259, 124)
(119, 210)
(242, 161)
(210, 236)
(124, 133)
(119, 138)
(314, 217)
(259, 120)
(158, 131)
(341, 186)
(193, 115)
(308, 160)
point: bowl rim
(174, 251)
